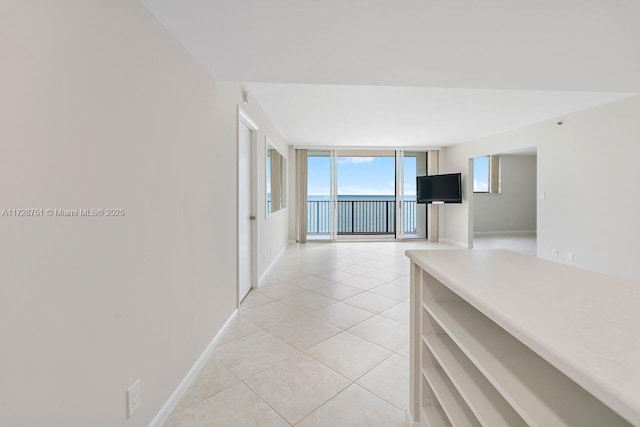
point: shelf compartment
(452, 403)
(431, 410)
(539, 393)
(435, 417)
(483, 399)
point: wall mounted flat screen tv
(446, 188)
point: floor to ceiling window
(319, 195)
(409, 195)
(356, 194)
(366, 194)
(414, 164)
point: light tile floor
(323, 343)
(517, 241)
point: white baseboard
(489, 233)
(272, 263)
(170, 404)
(465, 245)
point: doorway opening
(504, 205)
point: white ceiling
(576, 46)
(328, 115)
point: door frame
(245, 119)
(399, 184)
(333, 195)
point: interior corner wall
(587, 169)
(514, 208)
(102, 109)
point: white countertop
(586, 324)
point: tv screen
(444, 188)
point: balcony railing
(360, 217)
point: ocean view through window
(365, 199)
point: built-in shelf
(491, 409)
(452, 403)
(502, 339)
(541, 394)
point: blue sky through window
(481, 174)
(366, 176)
(319, 173)
(360, 176)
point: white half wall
(101, 108)
(514, 208)
(587, 168)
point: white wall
(588, 169)
(102, 108)
(291, 193)
(514, 208)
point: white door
(246, 216)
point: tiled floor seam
(365, 373)
(374, 393)
(265, 402)
(318, 407)
(354, 325)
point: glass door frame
(333, 196)
(399, 194)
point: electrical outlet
(570, 256)
(554, 253)
(134, 397)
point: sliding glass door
(359, 194)
(365, 194)
(412, 217)
(320, 195)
